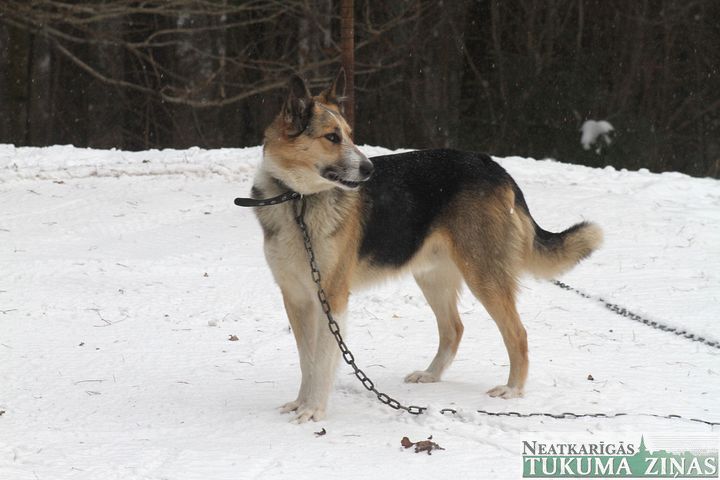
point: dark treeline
(511, 77)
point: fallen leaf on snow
(421, 446)
(233, 338)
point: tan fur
(578, 245)
(482, 239)
(298, 158)
(440, 281)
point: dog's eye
(333, 137)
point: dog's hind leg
(498, 298)
(489, 239)
(441, 285)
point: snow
(124, 275)
(595, 131)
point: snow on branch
(596, 134)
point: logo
(622, 459)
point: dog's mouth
(335, 177)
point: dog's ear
(335, 93)
(298, 106)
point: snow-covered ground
(124, 275)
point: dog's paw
(290, 406)
(504, 391)
(422, 376)
(304, 412)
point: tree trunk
(347, 46)
(16, 81)
(436, 70)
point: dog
(445, 216)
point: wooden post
(347, 49)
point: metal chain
(413, 409)
(335, 328)
(570, 415)
(624, 312)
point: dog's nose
(366, 169)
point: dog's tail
(549, 254)
(554, 253)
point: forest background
(511, 77)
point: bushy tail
(554, 253)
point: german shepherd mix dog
(443, 215)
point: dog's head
(309, 146)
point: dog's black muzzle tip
(366, 169)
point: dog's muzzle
(347, 179)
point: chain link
(415, 410)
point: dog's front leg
(318, 353)
(302, 313)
